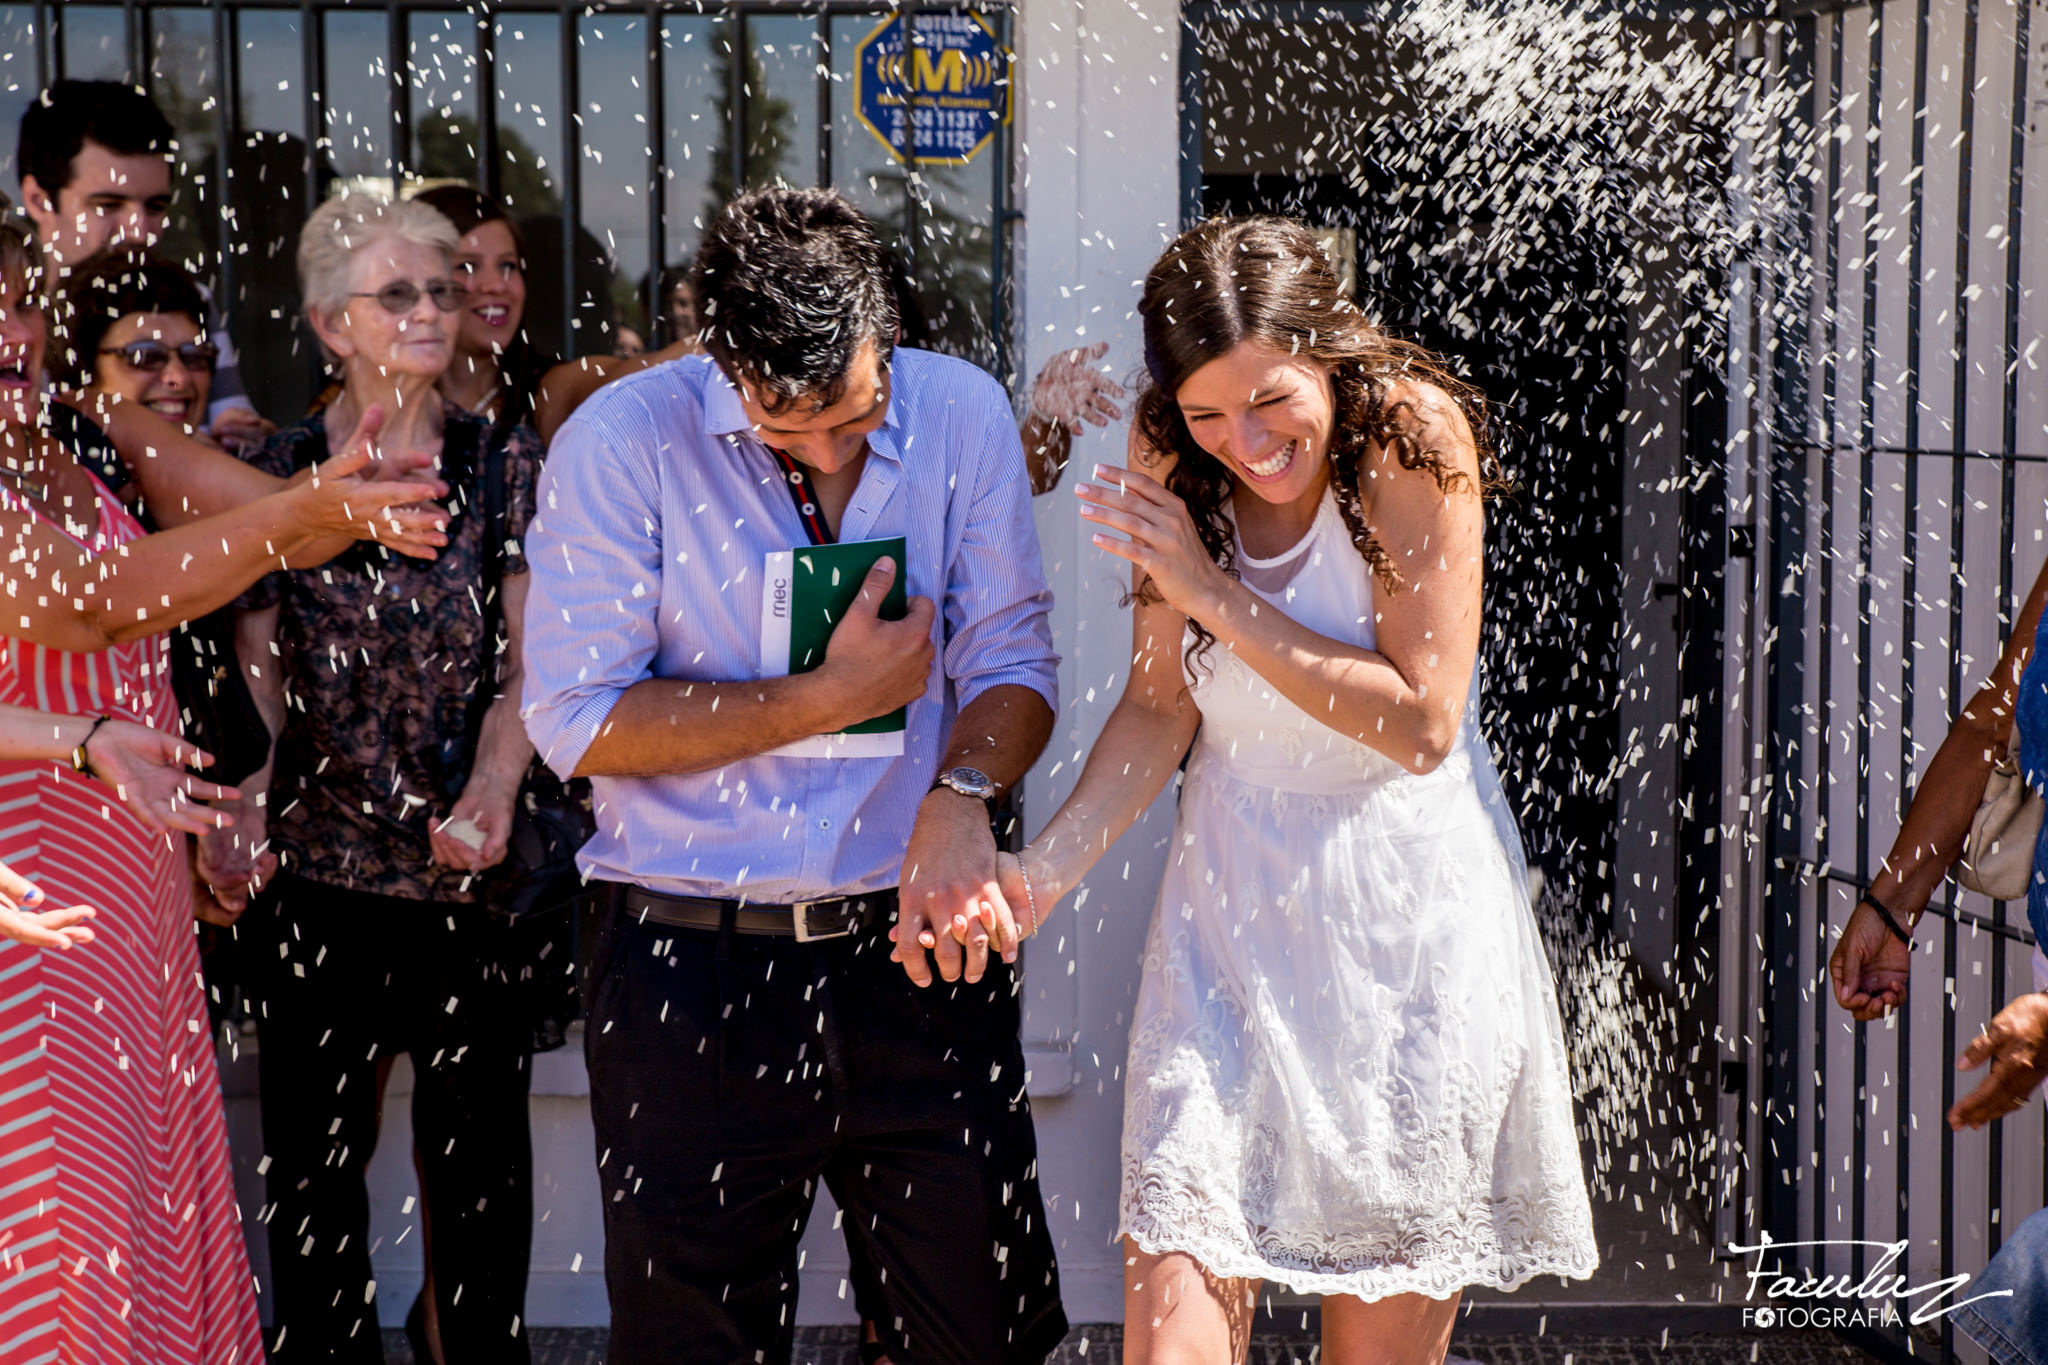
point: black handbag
(551, 819)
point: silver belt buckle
(802, 912)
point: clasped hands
(960, 899)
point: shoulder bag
(1998, 853)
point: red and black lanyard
(808, 509)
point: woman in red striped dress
(116, 1187)
(120, 1241)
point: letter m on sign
(948, 72)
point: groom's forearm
(666, 726)
(1001, 732)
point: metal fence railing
(1907, 518)
(611, 130)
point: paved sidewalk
(1100, 1345)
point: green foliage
(448, 148)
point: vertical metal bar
(1824, 563)
(226, 118)
(2009, 407)
(488, 177)
(1965, 152)
(398, 88)
(824, 50)
(46, 44)
(312, 51)
(1191, 125)
(1867, 436)
(1785, 695)
(737, 48)
(572, 173)
(999, 223)
(312, 69)
(657, 171)
(1909, 530)
(137, 39)
(913, 180)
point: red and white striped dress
(120, 1242)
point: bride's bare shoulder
(1433, 422)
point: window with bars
(612, 133)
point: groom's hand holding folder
(883, 665)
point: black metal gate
(1906, 518)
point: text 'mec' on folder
(805, 593)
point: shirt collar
(723, 415)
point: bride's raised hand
(24, 918)
(1158, 536)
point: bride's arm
(1134, 757)
(1404, 698)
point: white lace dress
(1346, 1071)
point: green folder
(805, 594)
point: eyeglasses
(152, 356)
(402, 296)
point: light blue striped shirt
(657, 510)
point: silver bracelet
(1030, 898)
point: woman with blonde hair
(398, 759)
(1346, 1071)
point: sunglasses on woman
(402, 296)
(152, 356)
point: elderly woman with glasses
(399, 757)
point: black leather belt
(803, 921)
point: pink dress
(120, 1241)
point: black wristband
(1890, 921)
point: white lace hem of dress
(1430, 1266)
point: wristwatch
(81, 761)
(968, 782)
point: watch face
(970, 782)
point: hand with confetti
(352, 494)
(1070, 390)
(478, 827)
(2016, 1045)
(150, 772)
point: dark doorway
(1556, 375)
(1507, 246)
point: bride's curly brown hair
(1267, 280)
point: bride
(1346, 1071)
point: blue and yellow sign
(940, 103)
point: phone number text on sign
(940, 102)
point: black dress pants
(731, 1074)
(343, 978)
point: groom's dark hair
(789, 283)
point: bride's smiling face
(1267, 416)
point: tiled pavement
(1099, 1345)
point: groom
(752, 1032)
